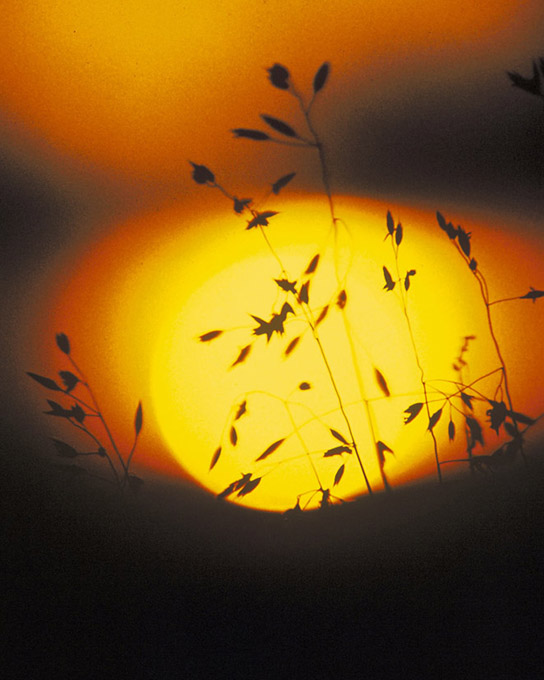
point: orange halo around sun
(136, 304)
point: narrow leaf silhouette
(270, 449)
(201, 174)
(467, 400)
(473, 265)
(433, 420)
(531, 85)
(448, 227)
(336, 451)
(451, 430)
(398, 234)
(464, 240)
(304, 296)
(282, 182)
(390, 224)
(389, 283)
(63, 343)
(322, 315)
(382, 449)
(64, 450)
(233, 436)
(475, 430)
(341, 299)
(211, 335)
(292, 345)
(382, 383)
(310, 269)
(321, 76)
(339, 474)
(412, 412)
(242, 356)
(215, 457)
(304, 386)
(138, 419)
(521, 418)
(532, 294)
(279, 126)
(45, 382)
(338, 436)
(57, 410)
(279, 76)
(255, 135)
(250, 486)
(241, 410)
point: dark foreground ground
(430, 582)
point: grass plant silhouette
(459, 398)
(80, 412)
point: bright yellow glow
(126, 85)
(138, 303)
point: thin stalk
(325, 178)
(99, 443)
(99, 414)
(485, 296)
(417, 360)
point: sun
(169, 309)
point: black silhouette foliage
(268, 451)
(531, 85)
(339, 474)
(242, 356)
(45, 382)
(433, 420)
(64, 450)
(336, 451)
(310, 269)
(255, 135)
(138, 419)
(448, 227)
(275, 325)
(282, 182)
(288, 286)
(279, 126)
(389, 283)
(240, 204)
(69, 380)
(321, 76)
(63, 343)
(532, 295)
(338, 436)
(215, 457)
(279, 76)
(304, 295)
(242, 409)
(292, 345)
(382, 382)
(201, 174)
(260, 219)
(342, 299)
(412, 412)
(211, 335)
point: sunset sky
(102, 107)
